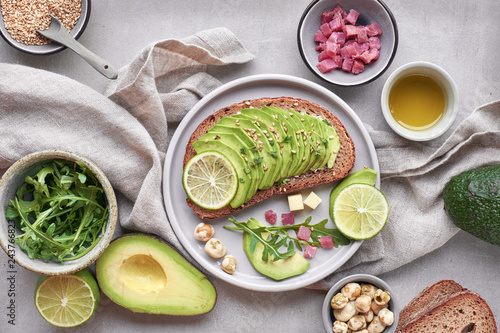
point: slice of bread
(427, 299)
(447, 307)
(343, 164)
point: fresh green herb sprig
(278, 236)
(61, 212)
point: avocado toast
(297, 145)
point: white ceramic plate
(183, 219)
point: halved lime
(210, 180)
(360, 211)
(67, 300)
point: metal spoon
(58, 33)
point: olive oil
(417, 102)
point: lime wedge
(360, 211)
(210, 180)
(67, 300)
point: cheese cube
(312, 200)
(295, 202)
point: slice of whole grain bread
(343, 164)
(464, 311)
(427, 299)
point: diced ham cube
(271, 216)
(304, 233)
(350, 31)
(344, 53)
(326, 30)
(374, 42)
(362, 36)
(310, 251)
(326, 16)
(336, 23)
(373, 30)
(338, 38)
(326, 242)
(321, 47)
(357, 66)
(326, 65)
(369, 56)
(323, 56)
(363, 47)
(332, 49)
(339, 10)
(352, 17)
(353, 49)
(320, 37)
(287, 218)
(338, 60)
(347, 64)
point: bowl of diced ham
(347, 43)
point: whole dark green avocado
(472, 201)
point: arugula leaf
(272, 244)
(61, 212)
(279, 237)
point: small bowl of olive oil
(420, 101)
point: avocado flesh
(274, 126)
(250, 150)
(146, 275)
(290, 138)
(228, 124)
(277, 270)
(312, 128)
(231, 140)
(239, 164)
(277, 159)
(472, 201)
(363, 176)
(319, 129)
(304, 140)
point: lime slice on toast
(210, 180)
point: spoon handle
(63, 37)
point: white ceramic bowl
(445, 81)
(370, 11)
(327, 311)
(15, 176)
(53, 47)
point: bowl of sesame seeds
(21, 19)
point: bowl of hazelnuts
(360, 303)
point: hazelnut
(215, 248)
(203, 232)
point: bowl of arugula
(58, 212)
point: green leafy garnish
(61, 212)
(279, 236)
(272, 244)
(288, 139)
(273, 153)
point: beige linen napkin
(127, 135)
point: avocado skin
(472, 201)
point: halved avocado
(144, 274)
(277, 270)
(239, 164)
